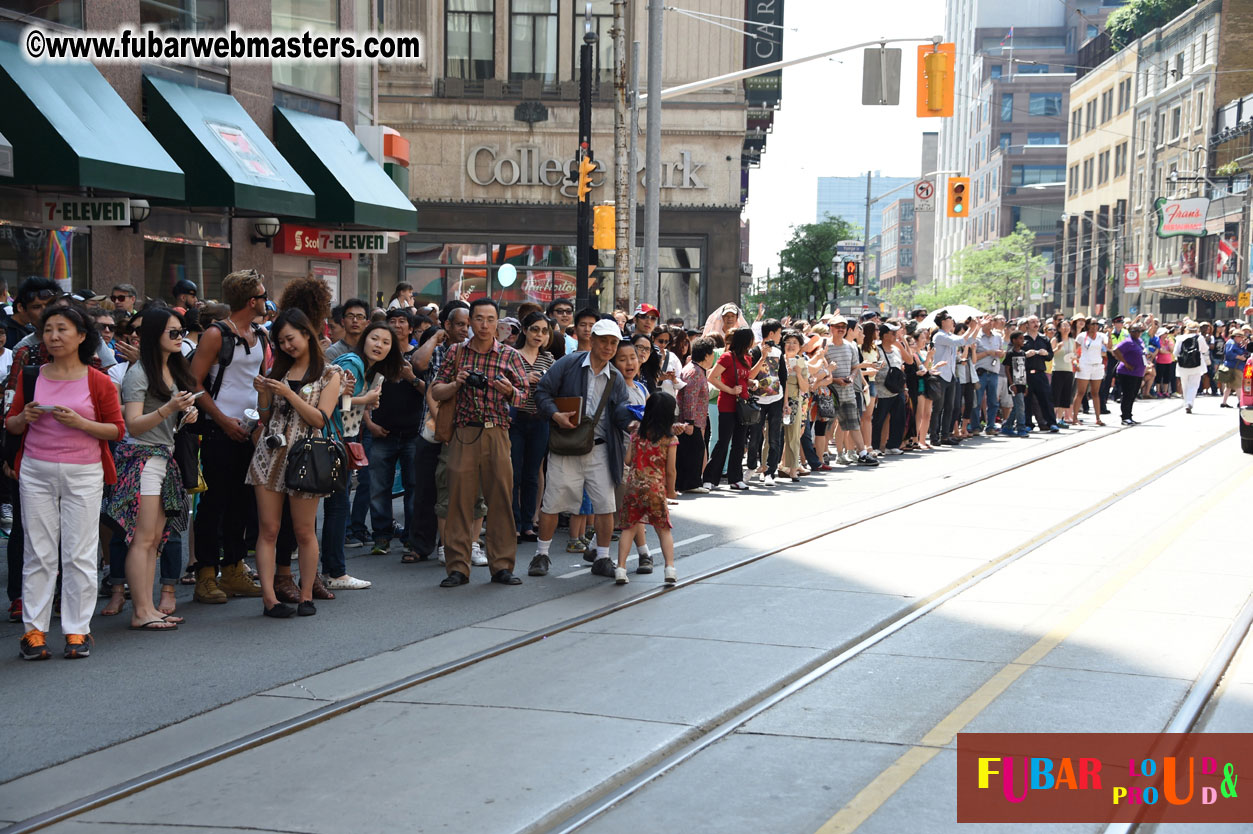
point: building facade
(492, 113)
(899, 241)
(845, 198)
(1098, 178)
(1021, 60)
(212, 167)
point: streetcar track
(715, 729)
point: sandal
(410, 557)
(319, 590)
(117, 597)
(167, 590)
(189, 575)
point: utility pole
(652, 163)
(865, 250)
(622, 168)
(583, 244)
(633, 184)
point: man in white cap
(591, 377)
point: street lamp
(815, 293)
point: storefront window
(470, 40)
(365, 271)
(60, 254)
(533, 40)
(183, 15)
(300, 16)
(167, 263)
(65, 12)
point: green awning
(69, 127)
(351, 186)
(228, 159)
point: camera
(275, 441)
(475, 379)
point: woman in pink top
(62, 468)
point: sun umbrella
(959, 312)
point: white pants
(1191, 383)
(61, 521)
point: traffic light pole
(583, 243)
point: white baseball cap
(607, 327)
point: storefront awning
(69, 127)
(1188, 286)
(228, 159)
(351, 187)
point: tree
(812, 246)
(1139, 17)
(999, 274)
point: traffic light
(958, 191)
(851, 274)
(604, 231)
(935, 79)
(586, 168)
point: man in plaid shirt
(482, 378)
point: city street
(826, 642)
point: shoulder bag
(894, 380)
(748, 411)
(317, 464)
(446, 411)
(824, 402)
(581, 439)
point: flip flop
(409, 558)
(154, 625)
(170, 618)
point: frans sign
(1179, 218)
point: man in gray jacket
(590, 376)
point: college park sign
(524, 165)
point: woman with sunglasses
(668, 365)
(528, 433)
(149, 501)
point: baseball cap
(183, 286)
(838, 319)
(868, 315)
(609, 327)
(85, 296)
(512, 322)
(646, 310)
(888, 327)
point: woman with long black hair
(528, 433)
(650, 361)
(149, 501)
(731, 375)
(294, 401)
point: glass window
(1044, 138)
(1007, 107)
(365, 71)
(994, 71)
(533, 40)
(1200, 109)
(1033, 174)
(1006, 138)
(470, 42)
(1032, 69)
(602, 52)
(183, 15)
(167, 263)
(907, 258)
(65, 12)
(1176, 119)
(61, 254)
(1076, 122)
(1045, 104)
(1073, 188)
(320, 77)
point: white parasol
(959, 312)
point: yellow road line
(870, 798)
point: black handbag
(894, 381)
(931, 388)
(317, 464)
(825, 403)
(748, 411)
(187, 455)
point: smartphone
(45, 407)
(197, 394)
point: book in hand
(565, 405)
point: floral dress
(645, 497)
(269, 466)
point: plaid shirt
(432, 376)
(694, 396)
(487, 405)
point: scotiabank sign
(307, 242)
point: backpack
(226, 353)
(1190, 353)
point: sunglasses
(108, 327)
(116, 299)
(539, 331)
(263, 295)
(563, 311)
(176, 333)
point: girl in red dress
(650, 482)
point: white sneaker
(671, 577)
(620, 576)
(894, 452)
(700, 490)
(345, 583)
(477, 557)
(846, 458)
(440, 550)
(769, 480)
(760, 477)
(708, 487)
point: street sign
(850, 250)
(924, 196)
(1243, 299)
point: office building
(845, 197)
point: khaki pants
(479, 463)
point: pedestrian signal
(851, 274)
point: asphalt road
(135, 683)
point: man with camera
(483, 378)
(602, 392)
